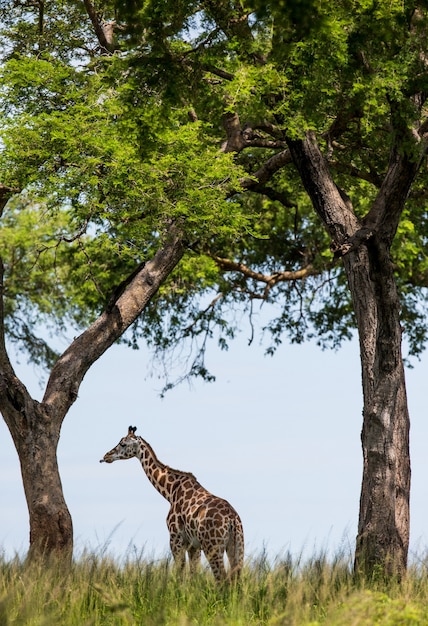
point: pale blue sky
(277, 437)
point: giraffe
(197, 520)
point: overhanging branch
(128, 304)
(270, 280)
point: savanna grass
(99, 590)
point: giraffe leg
(178, 551)
(179, 558)
(216, 561)
(194, 558)
(176, 540)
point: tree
(93, 222)
(282, 143)
(336, 93)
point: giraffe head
(125, 449)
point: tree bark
(35, 427)
(51, 528)
(383, 529)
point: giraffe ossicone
(197, 520)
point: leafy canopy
(97, 174)
(180, 114)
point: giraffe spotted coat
(197, 520)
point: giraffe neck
(163, 478)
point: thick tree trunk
(383, 529)
(51, 528)
(35, 427)
(36, 439)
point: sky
(278, 437)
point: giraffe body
(197, 520)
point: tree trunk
(51, 528)
(35, 427)
(36, 439)
(383, 529)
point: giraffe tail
(235, 548)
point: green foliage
(102, 174)
(336, 67)
(111, 148)
(87, 154)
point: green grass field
(98, 590)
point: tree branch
(217, 71)
(5, 195)
(266, 171)
(403, 166)
(233, 21)
(14, 396)
(270, 280)
(104, 31)
(275, 195)
(235, 141)
(349, 169)
(238, 138)
(72, 365)
(330, 203)
(271, 129)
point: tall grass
(98, 590)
